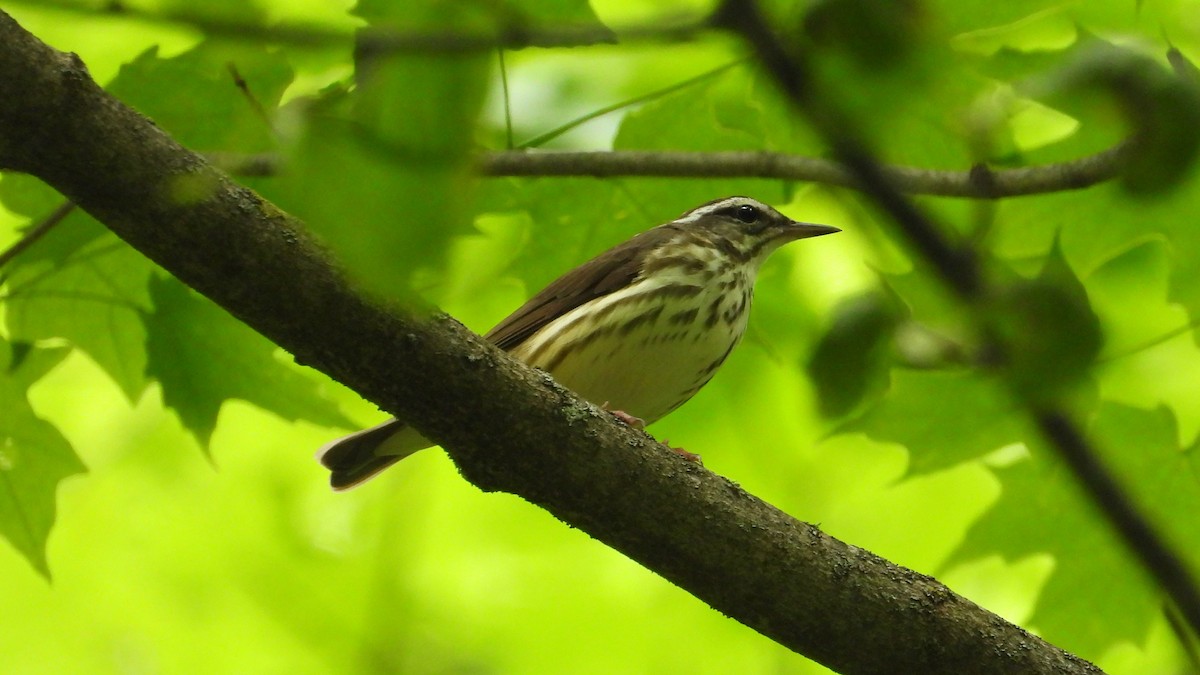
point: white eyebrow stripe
(699, 212)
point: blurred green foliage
(164, 560)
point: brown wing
(607, 272)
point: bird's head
(745, 228)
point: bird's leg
(640, 424)
(689, 456)
(629, 420)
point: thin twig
(508, 124)
(1057, 177)
(37, 232)
(255, 104)
(542, 139)
(1152, 342)
(960, 272)
(1075, 174)
(1186, 638)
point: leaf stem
(37, 232)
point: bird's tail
(354, 459)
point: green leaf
(707, 108)
(551, 14)
(1163, 111)
(1049, 330)
(959, 17)
(877, 34)
(83, 284)
(28, 196)
(34, 455)
(943, 418)
(167, 90)
(418, 14)
(80, 282)
(573, 219)
(1183, 66)
(656, 125)
(383, 176)
(203, 357)
(235, 12)
(561, 234)
(1042, 510)
(851, 357)
(1096, 225)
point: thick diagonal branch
(961, 273)
(507, 427)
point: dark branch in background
(981, 182)
(506, 426)
(1072, 175)
(255, 105)
(954, 262)
(36, 232)
(1058, 177)
(960, 271)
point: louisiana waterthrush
(639, 328)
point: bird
(638, 329)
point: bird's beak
(806, 230)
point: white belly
(648, 364)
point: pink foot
(689, 456)
(629, 420)
(640, 424)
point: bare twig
(1151, 343)
(1045, 178)
(1057, 177)
(255, 104)
(508, 121)
(37, 232)
(959, 271)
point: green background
(199, 542)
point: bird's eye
(746, 213)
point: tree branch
(961, 273)
(507, 427)
(979, 183)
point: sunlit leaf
(168, 89)
(944, 418)
(204, 357)
(83, 284)
(383, 176)
(375, 150)
(34, 456)
(1162, 109)
(1042, 510)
